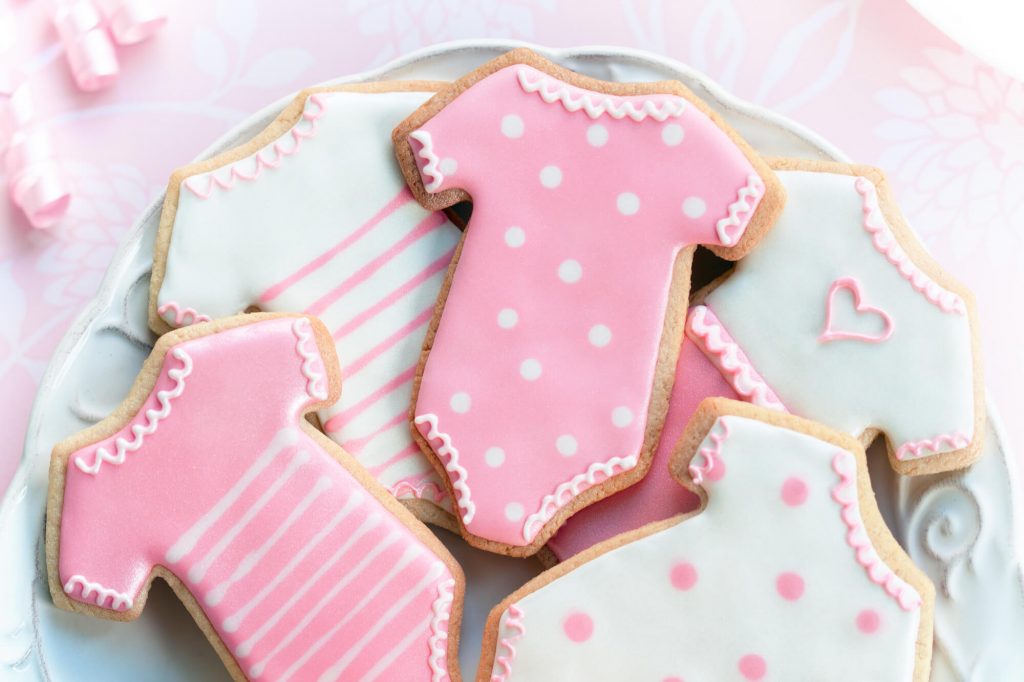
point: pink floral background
(870, 75)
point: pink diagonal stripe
(408, 451)
(356, 444)
(386, 302)
(427, 225)
(368, 357)
(402, 198)
(339, 420)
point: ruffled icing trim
(597, 104)
(119, 601)
(153, 417)
(429, 490)
(450, 458)
(944, 442)
(438, 642)
(513, 631)
(845, 493)
(251, 167)
(886, 244)
(183, 317)
(740, 211)
(312, 364)
(709, 454)
(550, 505)
(433, 178)
(706, 330)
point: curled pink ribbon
(132, 21)
(35, 183)
(90, 52)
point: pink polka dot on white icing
(752, 667)
(515, 237)
(672, 134)
(460, 402)
(530, 369)
(794, 491)
(599, 335)
(578, 627)
(570, 271)
(628, 203)
(868, 621)
(551, 176)
(597, 135)
(514, 511)
(494, 456)
(512, 126)
(622, 416)
(683, 576)
(790, 586)
(507, 318)
(566, 445)
(694, 207)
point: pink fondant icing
(657, 496)
(301, 571)
(548, 343)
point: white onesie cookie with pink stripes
(318, 220)
(787, 573)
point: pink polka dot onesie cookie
(546, 372)
(859, 330)
(295, 563)
(313, 216)
(787, 572)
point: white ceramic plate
(97, 361)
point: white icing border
(747, 200)
(551, 503)
(153, 419)
(438, 642)
(316, 381)
(432, 168)
(597, 104)
(119, 601)
(459, 475)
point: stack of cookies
(545, 377)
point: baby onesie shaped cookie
(293, 561)
(839, 316)
(787, 573)
(546, 373)
(313, 216)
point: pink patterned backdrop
(870, 75)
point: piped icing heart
(831, 333)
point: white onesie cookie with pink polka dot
(786, 573)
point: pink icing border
(709, 454)
(279, 151)
(739, 212)
(596, 104)
(706, 330)
(312, 364)
(153, 417)
(437, 494)
(852, 284)
(551, 503)
(845, 493)
(450, 458)
(438, 642)
(886, 244)
(183, 317)
(912, 449)
(514, 621)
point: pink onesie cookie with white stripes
(293, 561)
(787, 573)
(546, 376)
(313, 216)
